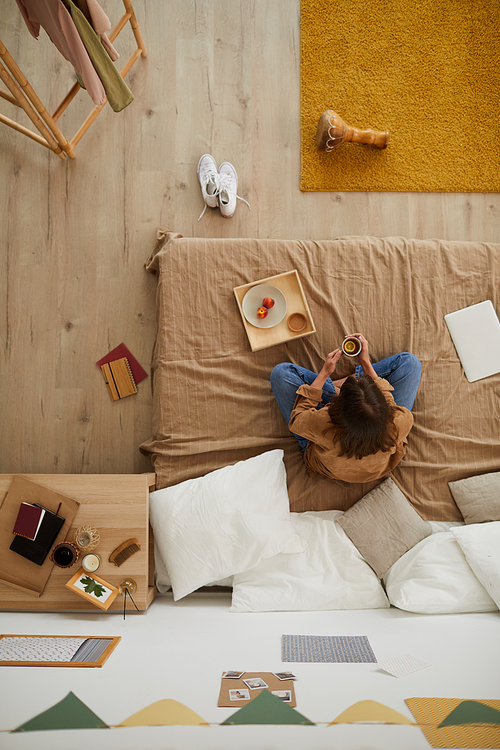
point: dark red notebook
(28, 520)
(119, 352)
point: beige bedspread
(213, 404)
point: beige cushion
(383, 526)
(478, 498)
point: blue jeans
(402, 371)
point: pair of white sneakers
(219, 186)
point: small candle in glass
(91, 562)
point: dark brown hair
(363, 418)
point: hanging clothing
(117, 91)
(99, 21)
(57, 22)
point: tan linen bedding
(213, 404)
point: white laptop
(475, 331)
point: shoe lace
(225, 186)
(209, 174)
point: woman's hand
(328, 368)
(364, 356)
(331, 363)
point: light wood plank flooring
(221, 76)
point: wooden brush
(124, 551)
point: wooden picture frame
(96, 590)
(42, 644)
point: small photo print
(284, 675)
(239, 695)
(90, 586)
(231, 675)
(255, 683)
(284, 695)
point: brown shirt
(321, 455)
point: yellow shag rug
(428, 71)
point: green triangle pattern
(70, 713)
(267, 708)
(472, 712)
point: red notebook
(119, 352)
(28, 520)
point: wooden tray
(289, 284)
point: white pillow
(329, 574)
(162, 578)
(435, 578)
(223, 523)
(480, 543)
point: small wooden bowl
(296, 322)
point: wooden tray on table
(289, 284)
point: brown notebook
(15, 570)
(119, 378)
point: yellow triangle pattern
(164, 713)
(430, 712)
(370, 711)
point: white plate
(253, 300)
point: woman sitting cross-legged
(356, 428)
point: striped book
(119, 378)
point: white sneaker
(209, 181)
(228, 187)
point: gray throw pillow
(383, 526)
(478, 498)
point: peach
(262, 312)
(268, 302)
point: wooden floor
(221, 76)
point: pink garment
(57, 22)
(99, 21)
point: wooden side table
(118, 506)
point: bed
(212, 402)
